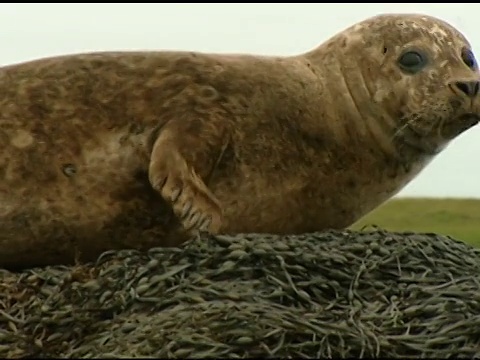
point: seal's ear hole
(468, 58)
(384, 50)
(412, 61)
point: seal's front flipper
(177, 177)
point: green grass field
(459, 218)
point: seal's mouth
(460, 124)
(470, 118)
(433, 142)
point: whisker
(402, 128)
(440, 127)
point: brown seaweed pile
(331, 294)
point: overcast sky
(30, 31)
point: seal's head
(416, 72)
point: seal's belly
(336, 201)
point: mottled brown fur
(94, 146)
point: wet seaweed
(331, 294)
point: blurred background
(441, 199)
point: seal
(110, 150)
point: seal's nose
(469, 88)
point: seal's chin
(416, 141)
(431, 140)
(425, 146)
(469, 119)
(459, 124)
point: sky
(31, 31)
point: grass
(459, 218)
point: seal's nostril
(470, 88)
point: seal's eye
(412, 61)
(468, 58)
